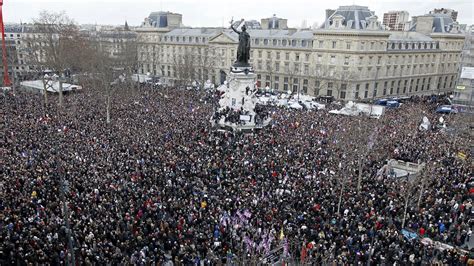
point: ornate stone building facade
(349, 57)
(19, 52)
(26, 58)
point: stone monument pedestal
(237, 105)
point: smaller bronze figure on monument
(243, 51)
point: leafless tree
(100, 73)
(12, 61)
(56, 43)
(183, 68)
(205, 65)
(127, 53)
(293, 72)
(334, 77)
(408, 189)
(190, 66)
(104, 80)
(269, 71)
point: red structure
(6, 78)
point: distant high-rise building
(451, 12)
(163, 20)
(395, 20)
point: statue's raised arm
(232, 26)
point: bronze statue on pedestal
(243, 51)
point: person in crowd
(158, 184)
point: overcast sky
(210, 13)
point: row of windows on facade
(295, 56)
(317, 83)
(11, 35)
(371, 59)
(401, 87)
(305, 43)
(29, 36)
(393, 45)
(412, 46)
(387, 70)
(363, 71)
(283, 42)
(18, 67)
(254, 41)
(188, 39)
(305, 81)
(343, 88)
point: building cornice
(152, 30)
(448, 36)
(354, 33)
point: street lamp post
(359, 179)
(374, 92)
(343, 187)
(61, 80)
(407, 197)
(46, 85)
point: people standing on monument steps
(159, 185)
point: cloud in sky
(210, 13)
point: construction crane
(6, 78)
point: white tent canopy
(355, 109)
(38, 85)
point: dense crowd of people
(159, 184)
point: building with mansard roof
(434, 23)
(350, 56)
(352, 17)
